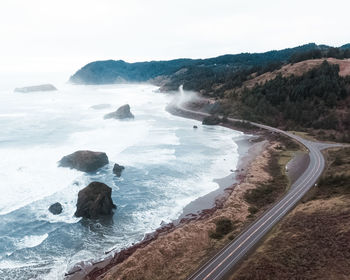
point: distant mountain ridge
(114, 71)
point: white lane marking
(296, 188)
(308, 178)
(266, 229)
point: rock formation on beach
(95, 201)
(56, 208)
(211, 120)
(45, 87)
(123, 112)
(86, 161)
(118, 169)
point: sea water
(167, 163)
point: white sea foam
(38, 130)
(31, 241)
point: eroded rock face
(118, 169)
(123, 112)
(46, 87)
(95, 201)
(86, 161)
(56, 208)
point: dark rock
(86, 161)
(211, 120)
(118, 169)
(94, 201)
(46, 87)
(195, 127)
(56, 208)
(123, 112)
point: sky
(64, 35)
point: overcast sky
(63, 35)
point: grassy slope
(313, 241)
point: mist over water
(168, 164)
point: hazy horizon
(62, 36)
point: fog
(60, 36)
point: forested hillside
(290, 88)
(318, 100)
(111, 71)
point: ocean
(167, 163)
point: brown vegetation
(313, 241)
(298, 69)
(176, 254)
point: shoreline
(199, 209)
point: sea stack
(95, 201)
(45, 87)
(123, 112)
(86, 161)
(118, 169)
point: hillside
(312, 242)
(298, 69)
(111, 71)
(293, 89)
(316, 101)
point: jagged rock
(123, 112)
(211, 120)
(94, 201)
(46, 87)
(86, 161)
(118, 169)
(56, 208)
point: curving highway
(224, 261)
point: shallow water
(168, 164)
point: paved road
(218, 267)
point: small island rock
(123, 112)
(100, 106)
(56, 208)
(86, 161)
(46, 87)
(118, 169)
(94, 201)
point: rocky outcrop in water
(95, 201)
(86, 161)
(46, 87)
(123, 112)
(100, 106)
(211, 120)
(118, 169)
(56, 208)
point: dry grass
(298, 69)
(177, 254)
(313, 241)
